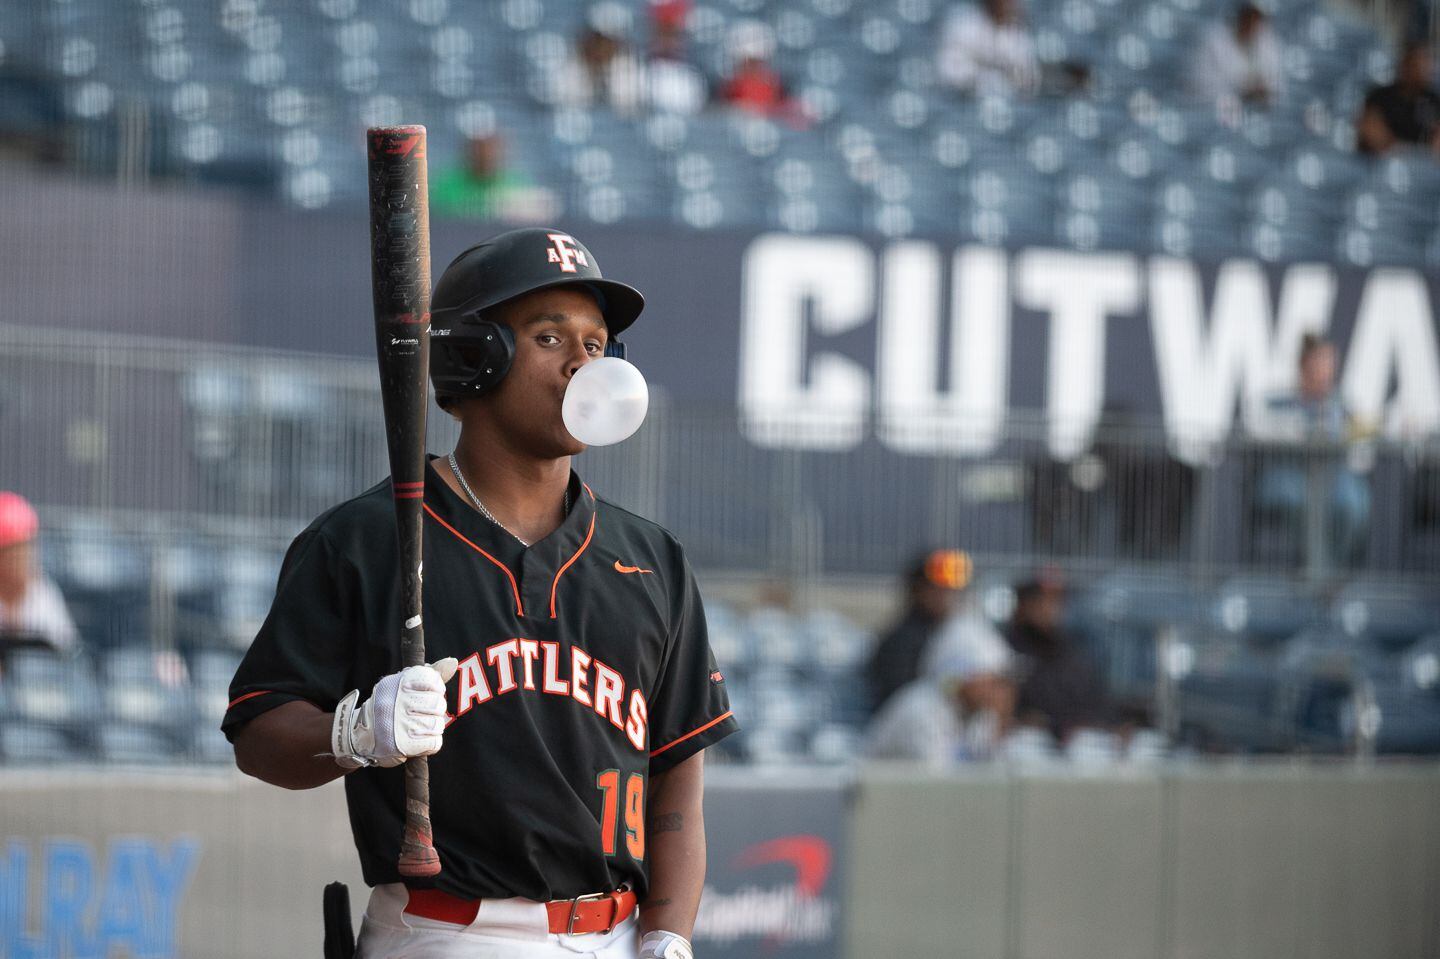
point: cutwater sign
(69, 899)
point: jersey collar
(552, 551)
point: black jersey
(584, 669)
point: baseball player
(573, 688)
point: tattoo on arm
(668, 822)
(657, 902)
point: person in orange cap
(932, 581)
(32, 611)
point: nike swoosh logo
(622, 568)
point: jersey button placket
(535, 576)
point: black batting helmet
(470, 352)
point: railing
(250, 445)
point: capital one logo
(774, 898)
(808, 856)
(563, 250)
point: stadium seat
(134, 746)
(148, 688)
(1381, 613)
(1265, 608)
(1231, 699)
(46, 687)
(1420, 666)
(37, 744)
(207, 744)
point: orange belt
(599, 912)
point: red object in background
(755, 86)
(669, 14)
(18, 522)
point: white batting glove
(665, 945)
(404, 717)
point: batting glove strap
(342, 734)
(665, 945)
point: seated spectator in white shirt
(1239, 62)
(986, 50)
(602, 71)
(960, 708)
(31, 607)
(674, 84)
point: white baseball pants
(503, 929)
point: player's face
(556, 332)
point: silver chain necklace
(459, 476)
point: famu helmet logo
(565, 251)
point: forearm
(288, 746)
(675, 824)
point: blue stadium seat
(144, 687)
(1143, 599)
(134, 746)
(47, 687)
(1420, 666)
(1232, 699)
(730, 638)
(779, 638)
(208, 744)
(37, 744)
(1266, 608)
(1381, 613)
(834, 744)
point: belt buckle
(575, 913)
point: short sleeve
(305, 648)
(689, 708)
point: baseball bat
(400, 280)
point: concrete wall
(1211, 863)
(1187, 863)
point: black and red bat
(400, 277)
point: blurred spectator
(959, 709)
(602, 71)
(932, 584)
(1059, 691)
(1070, 78)
(1406, 112)
(986, 49)
(484, 188)
(1315, 413)
(673, 83)
(753, 84)
(32, 611)
(1150, 493)
(1239, 62)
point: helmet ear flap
(473, 358)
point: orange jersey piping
(694, 732)
(240, 699)
(514, 586)
(555, 585)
